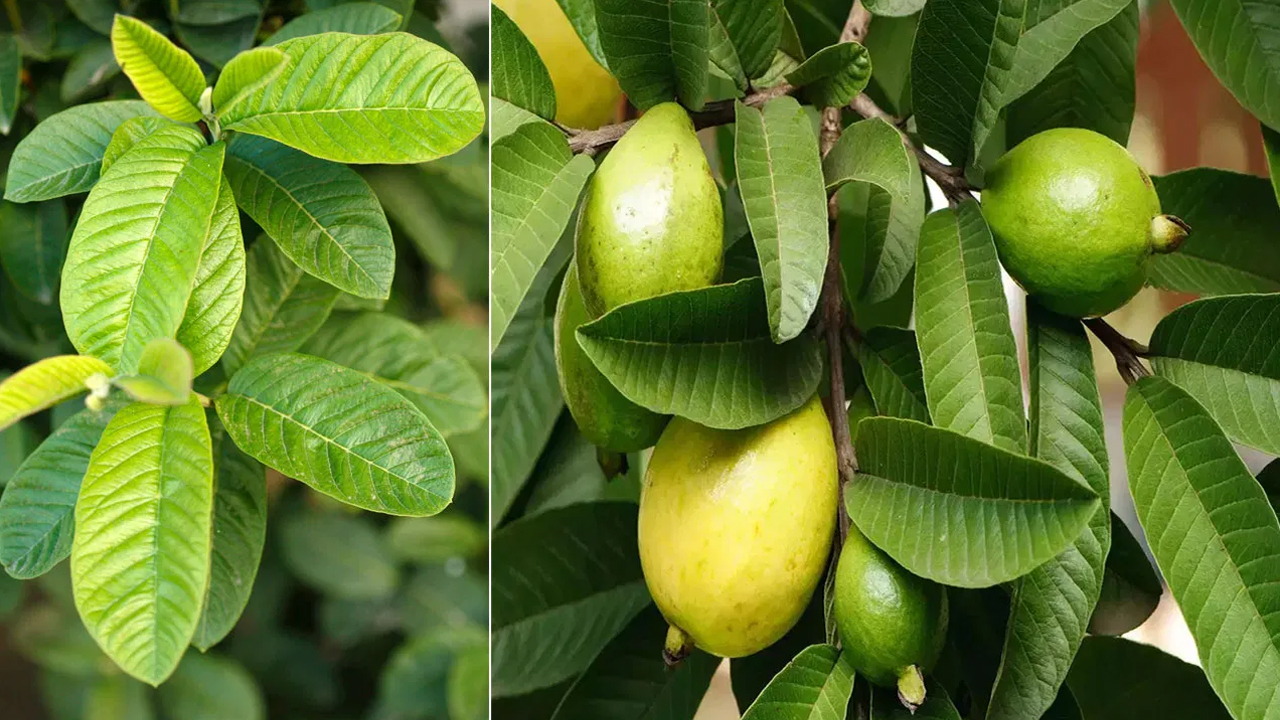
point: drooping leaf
(163, 376)
(1238, 41)
(536, 182)
(564, 583)
(754, 27)
(1215, 538)
(959, 511)
(1115, 679)
(834, 75)
(961, 65)
(160, 196)
(340, 432)
(323, 216)
(706, 355)
(44, 384)
(217, 297)
(1222, 351)
(890, 362)
(1231, 248)
(63, 154)
(89, 70)
(37, 507)
(33, 243)
(519, 77)
(1050, 32)
(211, 687)
(657, 49)
(971, 374)
(283, 306)
(140, 558)
(166, 76)
(779, 174)
(245, 73)
(1130, 589)
(340, 555)
(391, 98)
(10, 81)
(357, 18)
(1052, 605)
(816, 685)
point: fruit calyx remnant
(1168, 233)
(677, 647)
(911, 692)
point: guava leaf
(391, 98)
(1130, 588)
(1196, 499)
(1238, 41)
(283, 306)
(890, 362)
(212, 12)
(1116, 679)
(398, 354)
(129, 134)
(834, 75)
(357, 18)
(33, 244)
(1222, 351)
(505, 118)
(564, 584)
(722, 55)
(816, 685)
(165, 75)
(152, 214)
(959, 511)
(323, 216)
(340, 555)
(1050, 32)
(706, 355)
(536, 182)
(97, 14)
(971, 374)
(1052, 605)
(246, 72)
(37, 508)
(519, 77)
(44, 384)
(340, 432)
(118, 696)
(754, 27)
(63, 154)
(1231, 248)
(218, 294)
(961, 65)
(467, 693)
(93, 65)
(10, 81)
(140, 558)
(435, 539)
(209, 687)
(218, 44)
(657, 49)
(893, 8)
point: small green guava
(1075, 221)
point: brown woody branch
(1128, 353)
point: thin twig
(1127, 352)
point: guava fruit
(1075, 220)
(587, 96)
(606, 418)
(892, 624)
(735, 528)
(651, 221)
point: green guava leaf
(340, 432)
(93, 65)
(218, 294)
(754, 27)
(323, 216)
(657, 51)
(1050, 32)
(10, 81)
(1130, 588)
(718, 363)
(722, 55)
(435, 539)
(97, 14)
(564, 584)
(582, 16)
(218, 44)
(211, 687)
(118, 696)
(33, 244)
(536, 182)
(163, 376)
(1221, 351)
(246, 72)
(1195, 498)
(467, 693)
(519, 77)
(1117, 679)
(505, 118)
(283, 306)
(893, 8)
(816, 685)
(357, 18)
(890, 362)
(414, 682)
(130, 133)
(1238, 41)
(340, 555)
(834, 75)
(44, 384)
(212, 12)
(63, 154)
(391, 98)
(165, 75)
(779, 174)
(140, 558)
(971, 374)
(977, 515)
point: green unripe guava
(1075, 220)
(651, 222)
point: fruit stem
(677, 647)
(1168, 233)
(911, 691)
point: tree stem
(1127, 352)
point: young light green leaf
(1050, 32)
(283, 306)
(816, 685)
(1051, 606)
(140, 558)
(1115, 679)
(392, 98)
(872, 151)
(834, 75)
(971, 374)
(218, 294)
(340, 555)
(705, 355)
(890, 362)
(239, 534)
(755, 29)
(779, 174)
(1233, 219)
(165, 75)
(357, 18)
(960, 66)
(624, 680)
(129, 134)
(323, 216)
(519, 77)
(37, 507)
(211, 687)
(63, 154)
(564, 583)
(1237, 40)
(1220, 350)
(10, 81)
(1196, 499)
(341, 433)
(957, 510)
(245, 73)
(536, 182)
(163, 376)
(89, 70)
(33, 243)
(398, 354)
(46, 383)
(657, 50)
(1130, 588)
